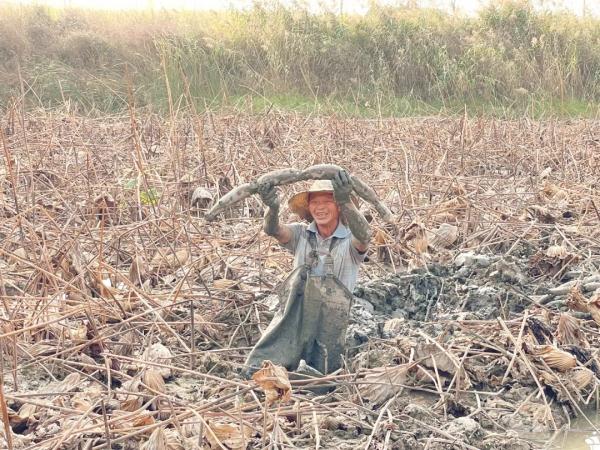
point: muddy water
(580, 436)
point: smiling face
(323, 208)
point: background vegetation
(508, 60)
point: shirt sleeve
(357, 257)
(297, 230)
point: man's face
(323, 208)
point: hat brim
(298, 204)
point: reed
(392, 61)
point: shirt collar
(340, 232)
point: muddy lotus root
(289, 176)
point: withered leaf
(169, 260)
(568, 332)
(232, 436)
(554, 357)
(156, 441)
(159, 354)
(383, 383)
(274, 380)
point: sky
(348, 6)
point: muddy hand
(268, 195)
(342, 187)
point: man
(315, 299)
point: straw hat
(299, 202)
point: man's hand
(268, 195)
(342, 187)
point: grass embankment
(509, 60)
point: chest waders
(311, 321)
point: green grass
(508, 61)
(406, 107)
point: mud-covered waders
(311, 321)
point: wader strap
(313, 255)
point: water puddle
(580, 436)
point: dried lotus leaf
(548, 378)
(80, 403)
(169, 260)
(156, 441)
(232, 436)
(159, 354)
(383, 383)
(274, 380)
(576, 301)
(225, 283)
(555, 358)
(27, 411)
(557, 251)
(154, 381)
(444, 236)
(201, 197)
(138, 270)
(593, 307)
(568, 332)
(393, 326)
(143, 420)
(582, 377)
(553, 193)
(131, 403)
(78, 334)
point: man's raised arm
(272, 227)
(361, 233)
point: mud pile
(472, 286)
(479, 348)
(485, 286)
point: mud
(394, 313)
(484, 286)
